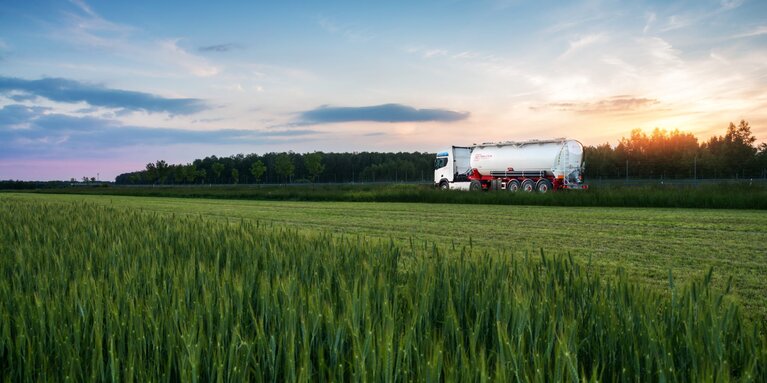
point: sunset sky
(104, 87)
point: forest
(662, 154)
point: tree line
(289, 167)
(675, 154)
(661, 154)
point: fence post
(627, 170)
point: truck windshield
(440, 162)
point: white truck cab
(451, 168)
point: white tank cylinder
(561, 157)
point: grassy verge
(730, 196)
(92, 292)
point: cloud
(582, 43)
(13, 117)
(616, 104)
(85, 27)
(172, 52)
(218, 48)
(650, 19)
(660, 52)
(84, 7)
(88, 27)
(434, 53)
(35, 131)
(350, 32)
(379, 113)
(680, 21)
(730, 4)
(758, 31)
(71, 91)
(686, 19)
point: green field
(136, 288)
(648, 243)
(729, 194)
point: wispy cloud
(378, 113)
(583, 42)
(88, 27)
(26, 130)
(687, 19)
(350, 32)
(679, 21)
(431, 52)
(434, 53)
(194, 64)
(575, 22)
(659, 51)
(71, 91)
(218, 48)
(757, 31)
(731, 4)
(649, 20)
(85, 27)
(615, 104)
(84, 7)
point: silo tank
(560, 157)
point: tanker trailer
(534, 165)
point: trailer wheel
(543, 185)
(475, 185)
(513, 186)
(528, 185)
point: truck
(532, 165)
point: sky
(97, 88)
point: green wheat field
(116, 288)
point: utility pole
(627, 170)
(695, 168)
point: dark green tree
(151, 172)
(283, 165)
(191, 173)
(600, 161)
(162, 171)
(761, 161)
(257, 170)
(313, 164)
(217, 168)
(739, 147)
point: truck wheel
(475, 186)
(444, 185)
(543, 185)
(513, 186)
(528, 185)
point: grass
(647, 243)
(94, 289)
(742, 195)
